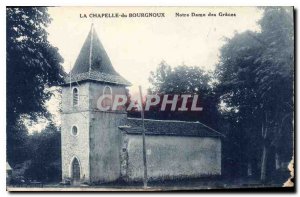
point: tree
(158, 78)
(45, 155)
(33, 65)
(275, 76)
(185, 80)
(255, 76)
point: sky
(137, 45)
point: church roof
(169, 127)
(8, 166)
(94, 64)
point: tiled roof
(8, 166)
(93, 63)
(97, 76)
(169, 127)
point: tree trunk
(263, 173)
(277, 161)
(263, 169)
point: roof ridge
(91, 49)
(166, 120)
(180, 121)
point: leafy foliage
(41, 158)
(45, 155)
(33, 65)
(185, 80)
(255, 77)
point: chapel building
(105, 146)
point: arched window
(107, 90)
(74, 130)
(107, 101)
(75, 97)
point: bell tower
(90, 138)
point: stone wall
(96, 90)
(105, 153)
(171, 157)
(83, 99)
(97, 145)
(105, 140)
(75, 146)
(105, 145)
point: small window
(107, 90)
(75, 97)
(107, 101)
(74, 130)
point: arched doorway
(75, 171)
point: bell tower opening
(75, 97)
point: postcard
(150, 98)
